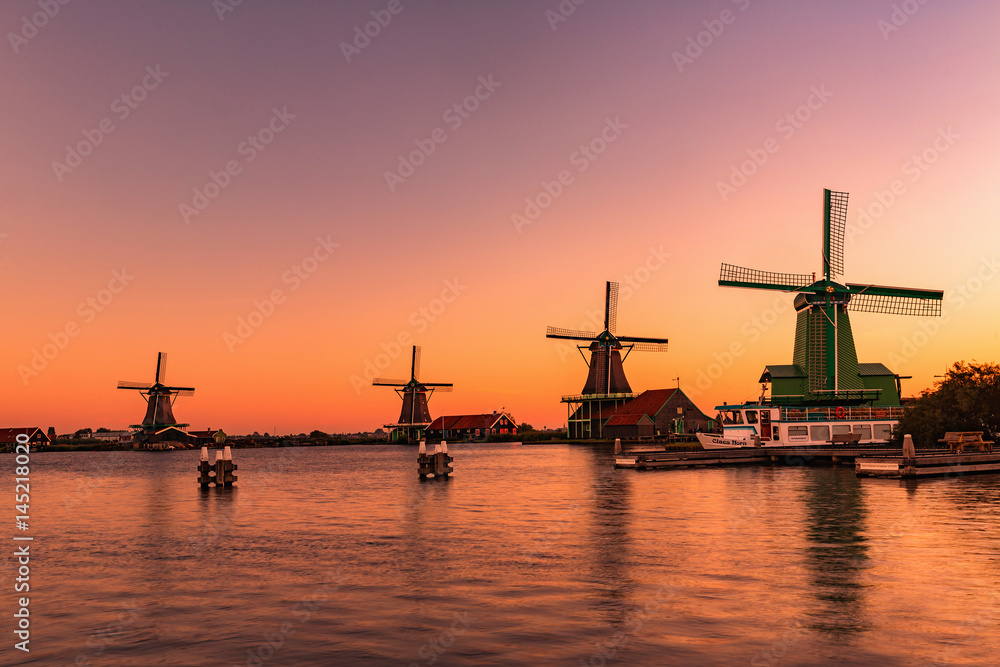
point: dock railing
(862, 413)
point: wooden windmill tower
(825, 368)
(606, 387)
(159, 399)
(415, 415)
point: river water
(529, 555)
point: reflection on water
(837, 551)
(528, 555)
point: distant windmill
(159, 398)
(415, 416)
(824, 353)
(606, 373)
(606, 385)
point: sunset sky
(169, 168)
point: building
(210, 436)
(471, 427)
(36, 438)
(113, 436)
(667, 412)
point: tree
(967, 399)
(525, 428)
(52, 433)
(316, 435)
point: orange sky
(265, 103)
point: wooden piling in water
(220, 472)
(437, 464)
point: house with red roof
(471, 427)
(657, 412)
(36, 438)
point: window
(840, 429)
(800, 432)
(774, 433)
(680, 410)
(751, 416)
(865, 430)
(820, 433)
(883, 431)
(477, 432)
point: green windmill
(825, 368)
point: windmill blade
(611, 307)
(834, 223)
(385, 382)
(179, 389)
(184, 392)
(601, 376)
(415, 364)
(161, 367)
(737, 276)
(641, 339)
(649, 347)
(441, 387)
(122, 384)
(437, 384)
(569, 334)
(895, 300)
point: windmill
(159, 398)
(415, 415)
(825, 362)
(606, 387)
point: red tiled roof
(8, 435)
(648, 402)
(455, 422)
(626, 420)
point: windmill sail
(824, 350)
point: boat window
(774, 433)
(820, 433)
(802, 431)
(732, 417)
(839, 429)
(865, 430)
(751, 416)
(883, 431)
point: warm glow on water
(528, 556)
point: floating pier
(220, 473)
(437, 464)
(869, 460)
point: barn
(668, 411)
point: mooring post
(909, 456)
(618, 445)
(442, 461)
(203, 469)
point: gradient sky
(929, 86)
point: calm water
(528, 556)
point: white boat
(762, 425)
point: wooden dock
(868, 460)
